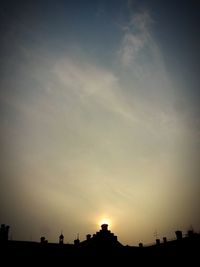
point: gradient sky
(100, 118)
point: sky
(100, 118)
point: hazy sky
(100, 118)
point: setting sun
(105, 221)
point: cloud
(141, 58)
(92, 85)
(136, 37)
(84, 78)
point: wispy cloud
(93, 85)
(140, 56)
(137, 36)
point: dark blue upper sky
(96, 26)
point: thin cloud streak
(136, 38)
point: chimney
(61, 239)
(179, 235)
(190, 233)
(141, 245)
(76, 242)
(104, 227)
(164, 240)
(157, 241)
(88, 237)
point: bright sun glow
(105, 221)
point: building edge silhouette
(101, 246)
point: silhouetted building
(141, 245)
(77, 241)
(104, 227)
(61, 239)
(164, 240)
(88, 237)
(102, 248)
(179, 235)
(103, 238)
(190, 233)
(43, 240)
(4, 231)
(157, 241)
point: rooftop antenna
(155, 234)
(191, 227)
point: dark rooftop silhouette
(102, 247)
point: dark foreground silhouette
(101, 249)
